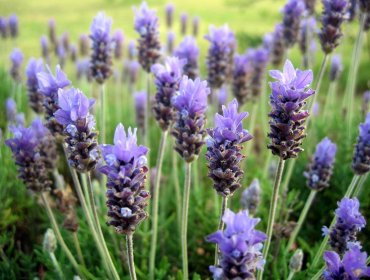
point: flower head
(13, 25)
(100, 27)
(16, 58)
(118, 39)
(293, 12)
(50, 84)
(251, 197)
(170, 8)
(145, 19)
(242, 77)
(336, 67)
(189, 50)
(361, 157)
(35, 97)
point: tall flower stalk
(189, 131)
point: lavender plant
(13, 26)
(16, 58)
(35, 97)
(292, 12)
(188, 50)
(361, 157)
(242, 76)
(251, 197)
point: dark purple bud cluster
(260, 58)
(287, 99)
(242, 77)
(336, 68)
(16, 58)
(278, 48)
(126, 169)
(224, 149)
(361, 157)
(13, 26)
(293, 12)
(188, 49)
(35, 97)
(140, 109)
(118, 40)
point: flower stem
(221, 226)
(291, 275)
(318, 274)
(251, 127)
(147, 113)
(357, 191)
(301, 219)
(78, 248)
(153, 245)
(58, 234)
(56, 265)
(184, 227)
(130, 256)
(102, 114)
(177, 188)
(330, 97)
(272, 212)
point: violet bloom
(221, 98)
(52, 32)
(336, 68)
(278, 48)
(79, 129)
(64, 39)
(83, 69)
(62, 55)
(189, 123)
(361, 157)
(260, 58)
(287, 100)
(352, 266)
(167, 81)
(170, 42)
(188, 49)
(140, 109)
(184, 23)
(118, 39)
(240, 245)
(307, 35)
(293, 12)
(35, 97)
(321, 166)
(242, 77)
(32, 150)
(195, 26)
(133, 68)
(149, 47)
(3, 27)
(13, 26)
(16, 58)
(49, 86)
(101, 61)
(44, 48)
(220, 55)
(131, 49)
(332, 19)
(84, 45)
(349, 222)
(170, 8)
(126, 169)
(224, 149)
(251, 197)
(11, 110)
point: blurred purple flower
(11, 110)
(35, 97)
(278, 48)
(222, 98)
(118, 39)
(170, 8)
(140, 109)
(3, 27)
(44, 48)
(73, 52)
(184, 23)
(260, 58)
(336, 68)
(251, 197)
(84, 45)
(242, 77)
(188, 49)
(16, 58)
(195, 26)
(293, 12)
(361, 157)
(131, 49)
(171, 36)
(52, 32)
(13, 25)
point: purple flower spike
(73, 52)
(3, 27)
(322, 164)
(287, 99)
(184, 23)
(307, 33)
(195, 26)
(251, 197)
(101, 61)
(52, 32)
(16, 58)
(44, 43)
(349, 222)
(293, 12)
(170, 8)
(126, 169)
(336, 68)
(222, 98)
(171, 36)
(62, 55)
(365, 103)
(13, 26)
(332, 19)
(84, 45)
(224, 149)
(352, 266)
(242, 77)
(188, 49)
(131, 71)
(118, 39)
(361, 157)
(140, 109)
(167, 81)
(146, 24)
(278, 48)
(11, 110)
(220, 55)
(260, 58)
(79, 129)
(35, 97)
(240, 245)
(191, 105)
(131, 49)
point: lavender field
(221, 139)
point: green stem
(184, 228)
(291, 275)
(56, 265)
(301, 219)
(177, 188)
(153, 245)
(102, 114)
(318, 274)
(221, 225)
(330, 97)
(147, 113)
(78, 248)
(130, 256)
(86, 192)
(272, 212)
(251, 127)
(58, 234)
(358, 189)
(267, 165)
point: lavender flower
(220, 55)
(293, 12)
(224, 149)
(260, 58)
(16, 58)
(118, 39)
(307, 32)
(189, 122)
(169, 14)
(126, 171)
(242, 77)
(195, 26)
(131, 49)
(52, 32)
(3, 27)
(349, 222)
(79, 128)
(61, 53)
(251, 197)
(146, 24)
(278, 48)
(140, 109)
(361, 157)
(83, 69)
(132, 71)
(170, 42)
(167, 80)
(221, 98)
(11, 110)
(310, 6)
(13, 26)
(332, 19)
(64, 39)
(365, 103)
(336, 68)
(240, 245)
(49, 86)
(184, 23)
(35, 97)
(188, 49)
(352, 266)
(321, 167)
(287, 99)
(33, 150)
(44, 48)
(84, 45)
(101, 61)
(73, 52)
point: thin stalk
(221, 225)
(302, 218)
(153, 245)
(98, 228)
(147, 113)
(86, 192)
(177, 188)
(78, 249)
(352, 77)
(318, 274)
(56, 265)
(58, 234)
(102, 114)
(130, 256)
(291, 275)
(267, 165)
(358, 189)
(272, 212)
(184, 228)
(251, 127)
(330, 100)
